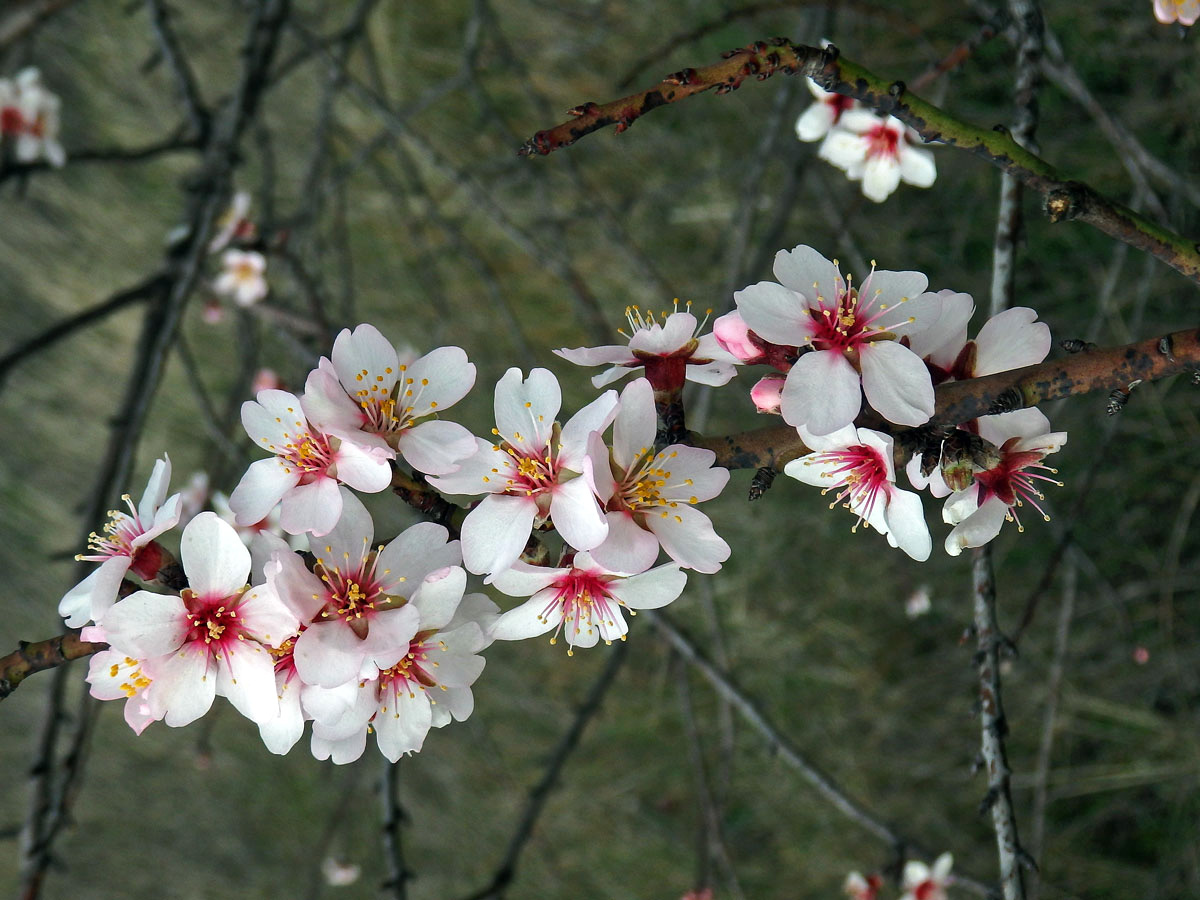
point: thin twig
(394, 818)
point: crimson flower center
(882, 141)
(214, 619)
(862, 474)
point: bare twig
(181, 69)
(394, 818)
(41, 655)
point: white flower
(853, 336)
(30, 114)
(531, 475)
(922, 883)
(880, 152)
(128, 543)
(584, 597)
(1186, 12)
(649, 496)
(671, 351)
(243, 277)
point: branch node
(1120, 396)
(1066, 202)
(761, 482)
(896, 90)
(1075, 345)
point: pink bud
(767, 392)
(212, 312)
(265, 380)
(732, 334)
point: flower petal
(896, 383)
(822, 392)
(215, 560)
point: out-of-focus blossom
(583, 599)
(400, 400)
(1185, 12)
(670, 351)
(819, 119)
(649, 497)
(920, 882)
(29, 115)
(532, 474)
(233, 223)
(212, 639)
(858, 887)
(978, 513)
(127, 544)
(265, 380)
(881, 152)
(853, 336)
(338, 873)
(919, 602)
(857, 463)
(243, 277)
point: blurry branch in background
(21, 16)
(1065, 198)
(540, 793)
(394, 818)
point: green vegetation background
(430, 233)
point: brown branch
(1065, 198)
(961, 401)
(42, 655)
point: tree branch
(38, 657)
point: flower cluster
(918, 881)
(29, 117)
(889, 341)
(879, 151)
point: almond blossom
(853, 340)
(214, 638)
(819, 119)
(243, 277)
(920, 882)
(399, 400)
(859, 461)
(584, 597)
(1008, 340)
(317, 445)
(532, 475)
(127, 544)
(29, 113)
(115, 676)
(881, 152)
(979, 512)
(1186, 12)
(670, 351)
(858, 887)
(648, 496)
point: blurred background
(378, 146)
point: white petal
(263, 485)
(416, 552)
(440, 379)
(688, 537)
(1010, 340)
(526, 409)
(529, 619)
(906, 523)
(814, 123)
(775, 313)
(216, 561)
(364, 359)
(822, 392)
(247, 677)
(896, 383)
(652, 589)
(185, 684)
(979, 527)
(577, 516)
(880, 177)
(146, 624)
(635, 424)
(628, 549)
(314, 507)
(495, 532)
(482, 472)
(438, 597)
(845, 150)
(596, 416)
(401, 728)
(436, 447)
(917, 167)
(328, 654)
(524, 580)
(611, 354)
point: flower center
(135, 680)
(883, 140)
(849, 321)
(1014, 484)
(411, 673)
(579, 596)
(119, 534)
(214, 620)
(862, 474)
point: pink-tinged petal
(846, 151)
(109, 674)
(883, 445)
(185, 684)
(1010, 340)
(266, 618)
(350, 538)
(524, 580)
(484, 471)
(814, 123)
(281, 733)
(274, 419)
(438, 597)
(597, 469)
(246, 676)
(402, 729)
(391, 632)
(880, 177)
(628, 549)
(156, 490)
(917, 167)
(1046, 443)
(822, 392)
(596, 416)
(326, 404)
(215, 560)
(296, 587)
(1022, 423)
(713, 374)
(688, 537)
(166, 518)
(979, 527)
(495, 532)
(534, 617)
(328, 654)
(577, 516)
(775, 313)
(635, 424)
(413, 554)
(896, 383)
(314, 507)
(732, 333)
(903, 294)
(263, 486)
(436, 447)
(92, 597)
(526, 408)
(363, 359)
(440, 379)
(944, 338)
(365, 469)
(906, 524)
(608, 376)
(806, 271)
(650, 590)
(610, 354)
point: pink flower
(531, 475)
(127, 544)
(880, 152)
(649, 496)
(922, 883)
(820, 118)
(585, 597)
(670, 351)
(317, 445)
(243, 277)
(400, 401)
(859, 462)
(979, 512)
(212, 639)
(852, 338)
(1186, 12)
